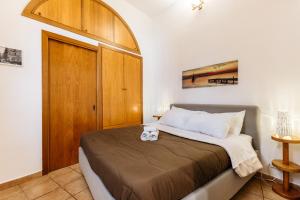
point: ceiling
(152, 7)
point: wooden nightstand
(287, 167)
(157, 117)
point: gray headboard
(250, 122)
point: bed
(117, 165)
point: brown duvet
(168, 169)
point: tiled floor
(63, 184)
(257, 190)
(69, 184)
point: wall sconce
(197, 4)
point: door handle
(94, 107)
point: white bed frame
(224, 187)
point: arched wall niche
(91, 18)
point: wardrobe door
(122, 35)
(72, 100)
(66, 12)
(133, 85)
(98, 20)
(113, 89)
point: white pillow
(237, 121)
(176, 117)
(215, 125)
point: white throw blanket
(243, 157)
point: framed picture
(10, 56)
(215, 75)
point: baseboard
(19, 181)
(266, 176)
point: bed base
(223, 187)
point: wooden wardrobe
(91, 18)
(85, 88)
(122, 89)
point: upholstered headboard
(250, 122)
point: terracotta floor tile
(34, 182)
(10, 192)
(58, 194)
(84, 195)
(40, 189)
(253, 187)
(247, 196)
(60, 172)
(19, 196)
(76, 168)
(268, 192)
(76, 186)
(67, 178)
(267, 185)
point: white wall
(20, 88)
(263, 35)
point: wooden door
(72, 100)
(133, 85)
(98, 20)
(66, 12)
(113, 88)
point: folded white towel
(149, 136)
(145, 136)
(150, 129)
(154, 136)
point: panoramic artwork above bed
(215, 75)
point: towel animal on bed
(150, 134)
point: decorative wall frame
(215, 75)
(9, 56)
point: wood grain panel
(97, 19)
(90, 18)
(67, 12)
(113, 88)
(123, 35)
(133, 85)
(73, 97)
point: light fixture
(283, 128)
(197, 4)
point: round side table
(285, 190)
